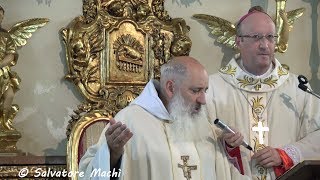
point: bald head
(179, 68)
(187, 61)
(256, 19)
(255, 13)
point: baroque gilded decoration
(10, 40)
(112, 51)
(225, 31)
(116, 46)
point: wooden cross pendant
(185, 168)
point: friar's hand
(233, 140)
(117, 136)
(267, 157)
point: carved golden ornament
(282, 71)
(225, 31)
(121, 43)
(10, 40)
(229, 70)
(129, 54)
(250, 81)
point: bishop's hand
(233, 139)
(267, 157)
(117, 136)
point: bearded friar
(164, 133)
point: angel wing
(223, 29)
(293, 15)
(22, 31)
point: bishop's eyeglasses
(257, 37)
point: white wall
(46, 100)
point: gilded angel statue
(10, 40)
(226, 31)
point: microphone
(226, 128)
(302, 81)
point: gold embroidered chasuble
(257, 101)
(273, 100)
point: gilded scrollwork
(181, 44)
(116, 8)
(90, 10)
(143, 11)
(115, 47)
(85, 53)
(158, 10)
(120, 97)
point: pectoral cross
(185, 168)
(260, 129)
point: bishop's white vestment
(151, 155)
(289, 116)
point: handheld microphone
(302, 81)
(226, 128)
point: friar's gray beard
(187, 126)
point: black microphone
(304, 87)
(226, 128)
(302, 81)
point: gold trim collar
(233, 74)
